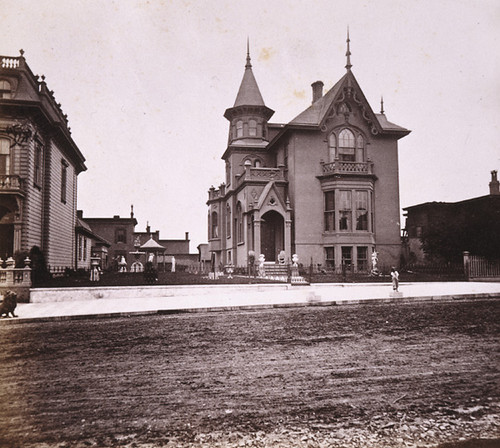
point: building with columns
(324, 186)
(39, 165)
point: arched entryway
(272, 239)
(6, 232)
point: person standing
(395, 278)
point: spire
(249, 93)
(248, 64)
(381, 104)
(348, 52)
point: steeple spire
(348, 52)
(249, 93)
(248, 64)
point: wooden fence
(477, 267)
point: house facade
(39, 165)
(324, 186)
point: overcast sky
(145, 85)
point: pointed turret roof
(249, 93)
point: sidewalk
(78, 303)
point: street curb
(218, 309)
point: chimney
(317, 88)
(494, 184)
(148, 228)
(187, 236)
(132, 211)
(79, 214)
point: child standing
(395, 278)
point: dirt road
(350, 376)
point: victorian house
(323, 186)
(39, 165)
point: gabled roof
(316, 114)
(83, 228)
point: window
(329, 211)
(257, 163)
(228, 221)
(84, 249)
(4, 156)
(239, 223)
(346, 145)
(285, 155)
(330, 257)
(332, 146)
(360, 149)
(80, 247)
(252, 128)
(228, 172)
(361, 210)
(38, 165)
(345, 212)
(362, 259)
(239, 129)
(215, 225)
(346, 257)
(64, 180)
(5, 89)
(120, 235)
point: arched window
(332, 147)
(239, 223)
(5, 89)
(346, 145)
(360, 149)
(252, 128)
(239, 129)
(4, 156)
(228, 221)
(215, 225)
(257, 163)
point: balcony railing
(342, 167)
(265, 174)
(10, 183)
(9, 62)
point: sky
(145, 85)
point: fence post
(466, 265)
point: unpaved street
(346, 376)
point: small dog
(9, 303)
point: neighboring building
(39, 165)
(481, 213)
(324, 186)
(124, 241)
(89, 245)
(118, 232)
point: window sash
(362, 258)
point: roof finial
(381, 104)
(348, 52)
(248, 64)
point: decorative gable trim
(350, 93)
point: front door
(6, 240)
(272, 235)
